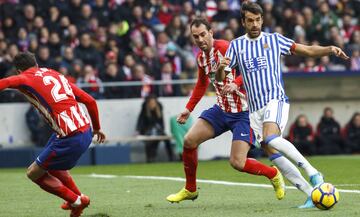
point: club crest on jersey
(266, 46)
(214, 65)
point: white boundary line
(215, 182)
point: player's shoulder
(238, 39)
(220, 43)
(269, 34)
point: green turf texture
(131, 197)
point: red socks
(190, 160)
(54, 186)
(255, 167)
(65, 177)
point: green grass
(131, 197)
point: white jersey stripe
(83, 114)
(77, 116)
(69, 123)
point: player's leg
(50, 183)
(62, 154)
(240, 162)
(291, 172)
(65, 177)
(243, 138)
(275, 118)
(204, 129)
(200, 132)
(288, 169)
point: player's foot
(77, 211)
(316, 179)
(65, 206)
(308, 204)
(278, 184)
(183, 194)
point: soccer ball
(325, 196)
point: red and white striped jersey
(207, 66)
(56, 99)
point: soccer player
(57, 100)
(257, 55)
(230, 113)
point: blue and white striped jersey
(259, 62)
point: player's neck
(254, 38)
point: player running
(230, 113)
(257, 55)
(57, 100)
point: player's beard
(254, 32)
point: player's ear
(211, 32)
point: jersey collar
(254, 39)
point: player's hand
(183, 116)
(100, 136)
(338, 52)
(229, 88)
(223, 63)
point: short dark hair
(24, 60)
(198, 21)
(250, 7)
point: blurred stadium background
(121, 51)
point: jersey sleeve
(11, 82)
(199, 90)
(285, 44)
(231, 53)
(90, 103)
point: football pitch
(140, 190)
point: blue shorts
(238, 123)
(63, 153)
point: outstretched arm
(91, 106)
(318, 51)
(10, 82)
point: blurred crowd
(328, 137)
(98, 41)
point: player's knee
(30, 173)
(237, 163)
(269, 138)
(190, 141)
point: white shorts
(275, 111)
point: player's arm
(11, 82)
(198, 92)
(91, 106)
(227, 63)
(317, 51)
